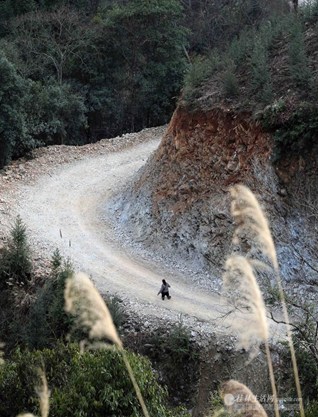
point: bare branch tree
(50, 40)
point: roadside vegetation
(269, 70)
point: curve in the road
(63, 210)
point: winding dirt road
(64, 209)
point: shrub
(312, 409)
(230, 84)
(309, 10)
(15, 260)
(175, 356)
(216, 407)
(239, 49)
(293, 131)
(89, 384)
(199, 72)
(116, 310)
(298, 62)
(261, 78)
(48, 321)
(178, 344)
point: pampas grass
(84, 302)
(251, 222)
(239, 274)
(240, 401)
(44, 397)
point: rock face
(178, 205)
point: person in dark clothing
(164, 290)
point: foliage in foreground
(82, 384)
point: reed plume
(239, 278)
(240, 401)
(84, 302)
(44, 396)
(252, 223)
(239, 275)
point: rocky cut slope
(178, 205)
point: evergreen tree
(48, 321)
(299, 69)
(15, 262)
(261, 78)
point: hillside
(178, 204)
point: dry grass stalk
(84, 302)
(44, 395)
(239, 275)
(240, 401)
(251, 220)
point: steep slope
(247, 115)
(178, 204)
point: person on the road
(164, 290)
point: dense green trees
(56, 113)
(80, 70)
(145, 43)
(49, 43)
(215, 23)
(13, 132)
(88, 384)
